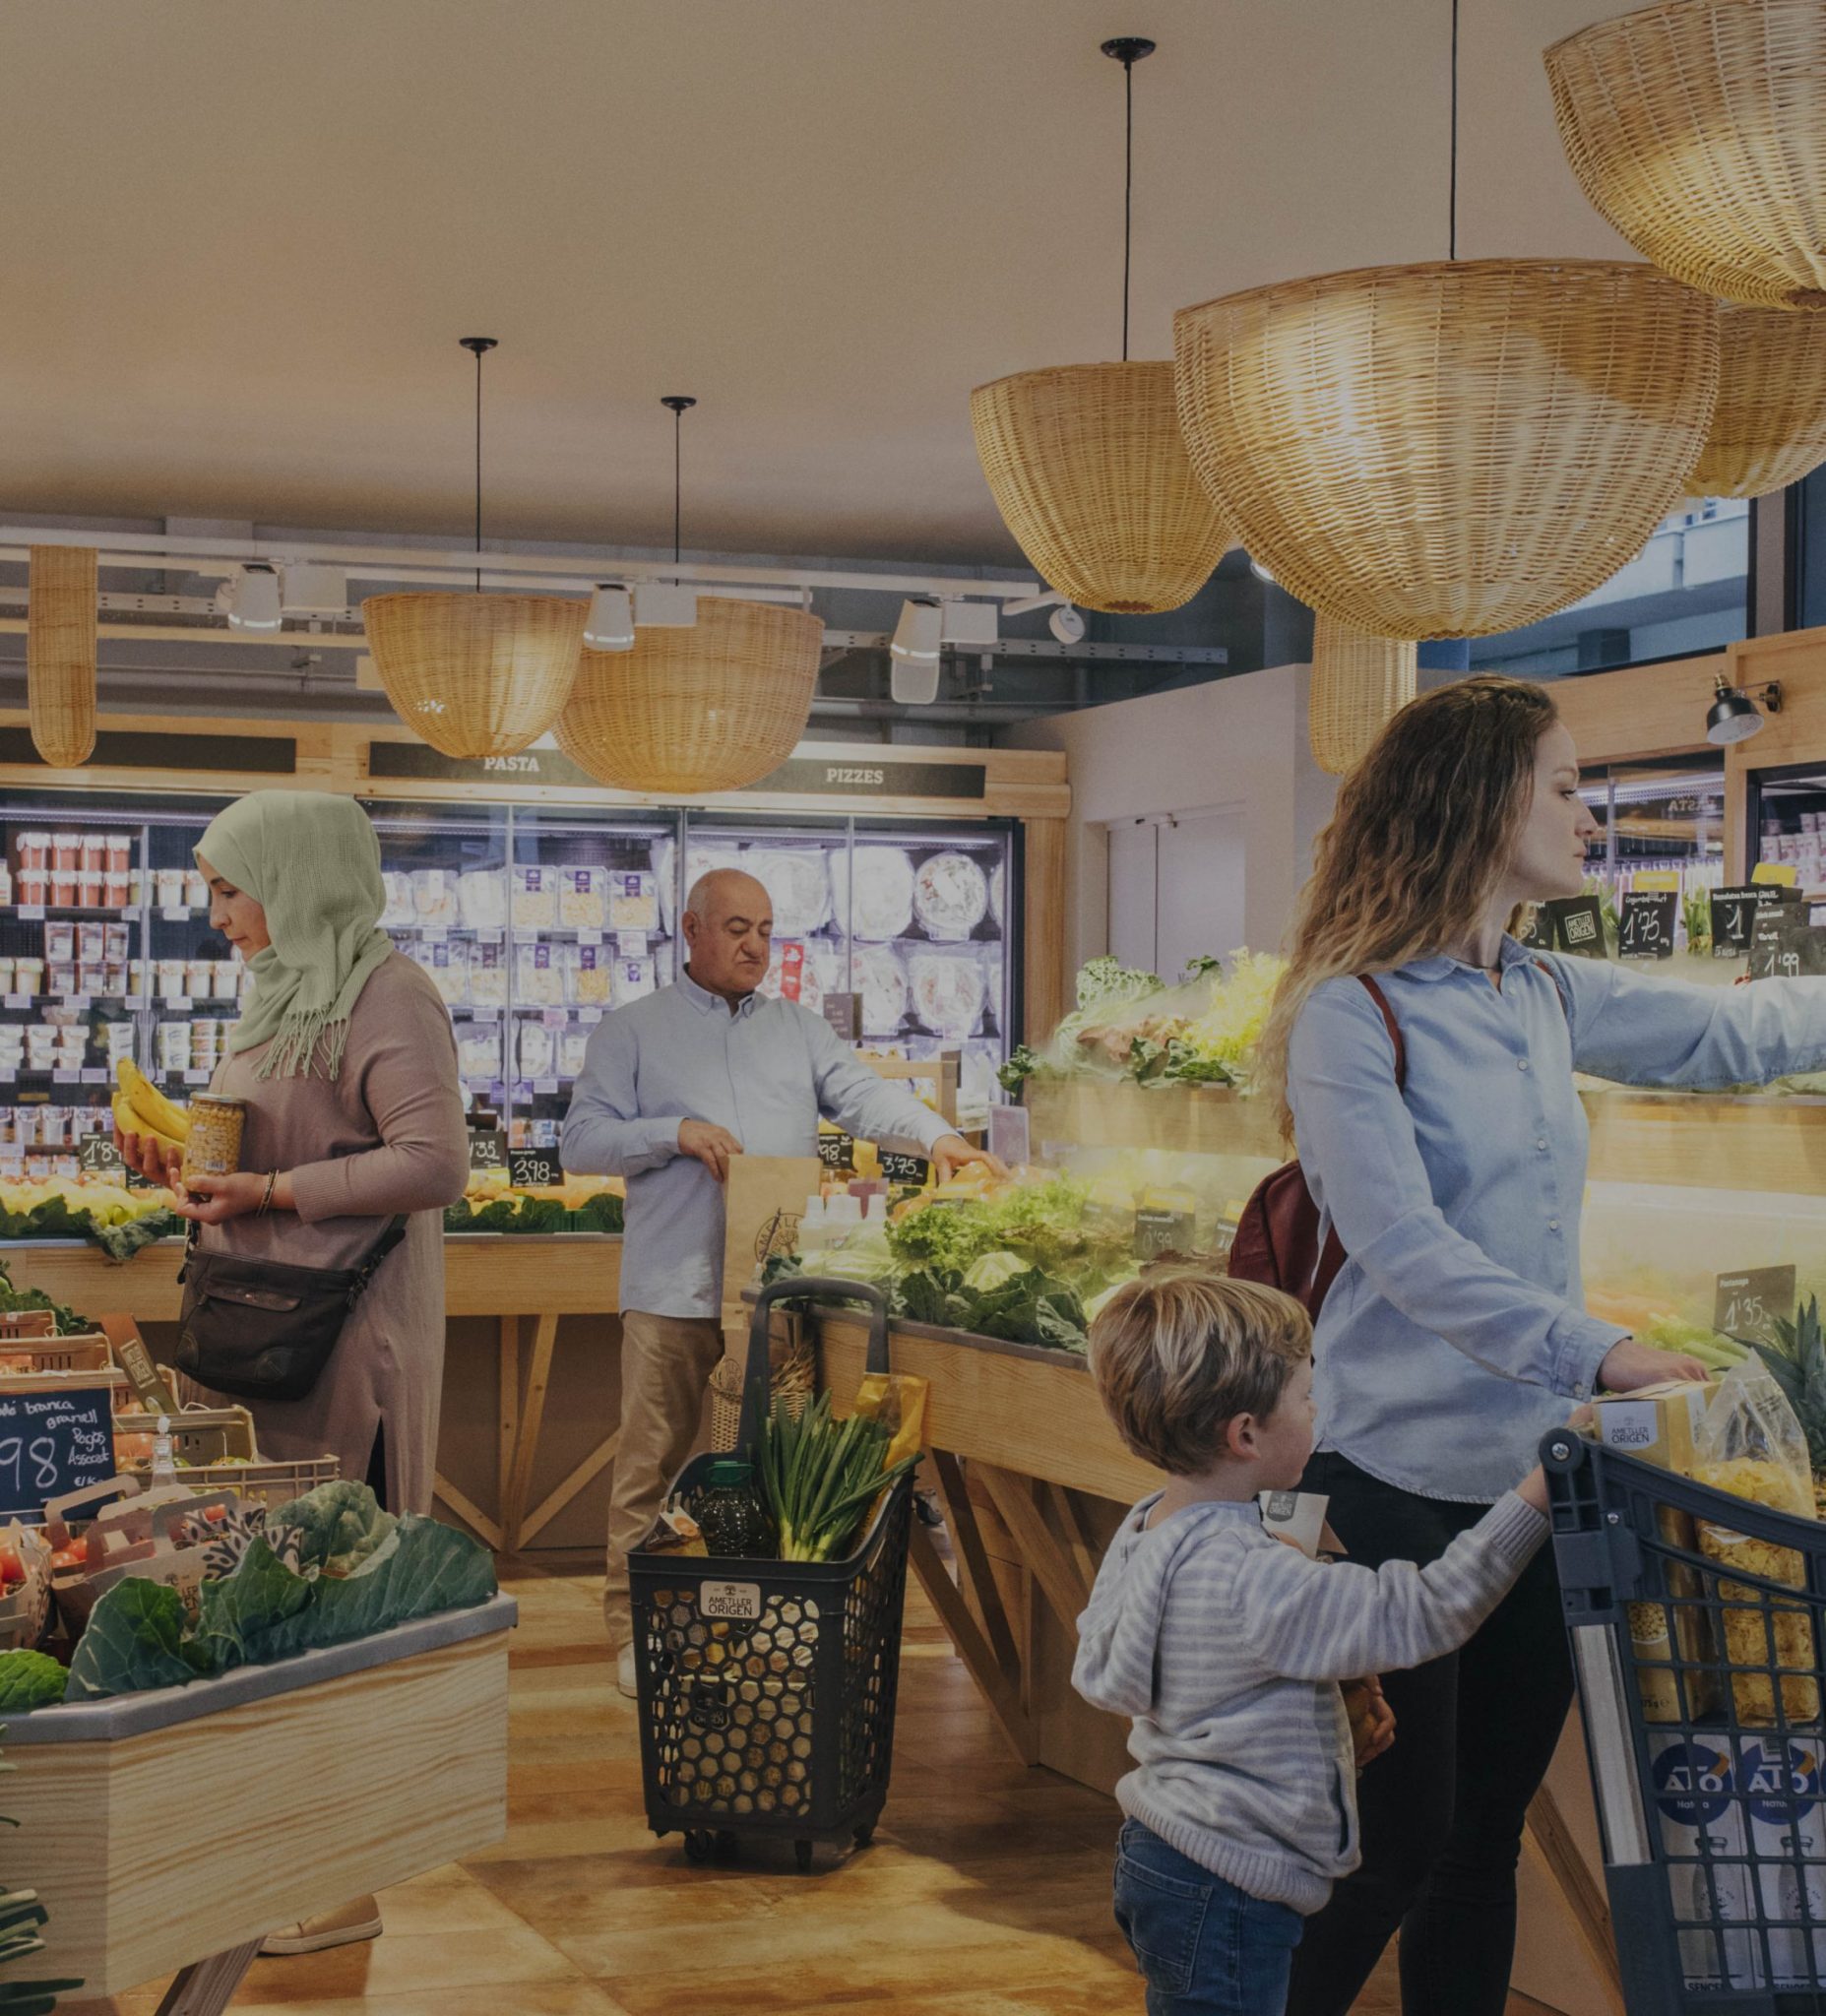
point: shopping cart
(766, 1688)
(1701, 1687)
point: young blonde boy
(1227, 1647)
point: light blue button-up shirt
(1454, 1335)
(765, 1072)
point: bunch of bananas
(140, 1107)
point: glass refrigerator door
(1664, 823)
(801, 867)
(1788, 821)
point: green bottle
(731, 1515)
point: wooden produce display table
(171, 1831)
(511, 1277)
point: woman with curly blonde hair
(1454, 1336)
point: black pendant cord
(479, 346)
(1128, 50)
(1452, 204)
(679, 406)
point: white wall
(1233, 748)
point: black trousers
(1442, 1812)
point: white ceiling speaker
(609, 625)
(914, 653)
(1067, 624)
(253, 599)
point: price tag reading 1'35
(1748, 1305)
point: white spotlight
(253, 600)
(1067, 624)
(1262, 573)
(609, 625)
(914, 653)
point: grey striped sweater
(1227, 1645)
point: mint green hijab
(312, 863)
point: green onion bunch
(820, 1476)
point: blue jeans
(1205, 1947)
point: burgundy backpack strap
(1393, 1029)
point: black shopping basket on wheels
(1701, 1688)
(766, 1688)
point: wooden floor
(986, 1891)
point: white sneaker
(346, 1926)
(624, 1673)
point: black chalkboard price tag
(97, 1155)
(836, 1151)
(906, 1168)
(1578, 925)
(1750, 1304)
(54, 1441)
(1733, 916)
(1785, 944)
(843, 1012)
(534, 1168)
(487, 1149)
(1645, 924)
(1162, 1231)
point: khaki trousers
(666, 1364)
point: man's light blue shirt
(1454, 1335)
(765, 1072)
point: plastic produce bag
(1751, 1445)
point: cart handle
(757, 1381)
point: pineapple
(1796, 1361)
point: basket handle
(757, 1398)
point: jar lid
(728, 1472)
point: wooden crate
(161, 1828)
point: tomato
(12, 1568)
(74, 1555)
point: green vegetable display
(13, 1299)
(819, 1477)
(27, 1680)
(332, 1566)
(601, 1213)
(55, 1220)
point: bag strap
(391, 1237)
(1375, 993)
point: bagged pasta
(633, 900)
(488, 975)
(1751, 1445)
(583, 898)
(536, 898)
(590, 977)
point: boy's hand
(1372, 1719)
(1532, 1490)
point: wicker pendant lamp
(60, 654)
(1359, 683)
(1449, 450)
(1769, 426)
(1698, 128)
(1086, 464)
(691, 709)
(476, 674)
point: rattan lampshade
(1088, 469)
(712, 708)
(476, 674)
(1769, 426)
(1698, 127)
(1359, 682)
(60, 654)
(1448, 450)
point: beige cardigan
(386, 1135)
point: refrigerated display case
(533, 920)
(1664, 828)
(1786, 810)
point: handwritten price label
(1749, 1304)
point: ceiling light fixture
(1733, 716)
(1067, 624)
(914, 653)
(476, 674)
(1086, 464)
(609, 625)
(1262, 573)
(253, 599)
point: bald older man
(674, 1087)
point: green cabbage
(993, 1270)
(29, 1680)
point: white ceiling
(241, 241)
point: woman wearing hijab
(344, 1058)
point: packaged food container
(116, 941)
(60, 980)
(119, 1039)
(6, 976)
(434, 897)
(136, 977)
(536, 898)
(93, 858)
(63, 887)
(55, 1128)
(633, 900)
(399, 912)
(67, 850)
(91, 979)
(59, 942)
(196, 889)
(35, 849)
(35, 887)
(488, 975)
(535, 1050)
(6, 885)
(544, 1133)
(120, 854)
(29, 976)
(214, 1145)
(631, 980)
(449, 968)
(583, 901)
(226, 985)
(26, 1125)
(200, 978)
(90, 941)
(478, 1051)
(171, 978)
(481, 899)
(590, 977)
(175, 1046)
(90, 888)
(169, 889)
(538, 977)
(116, 971)
(573, 1040)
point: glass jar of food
(730, 1513)
(93, 857)
(214, 1146)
